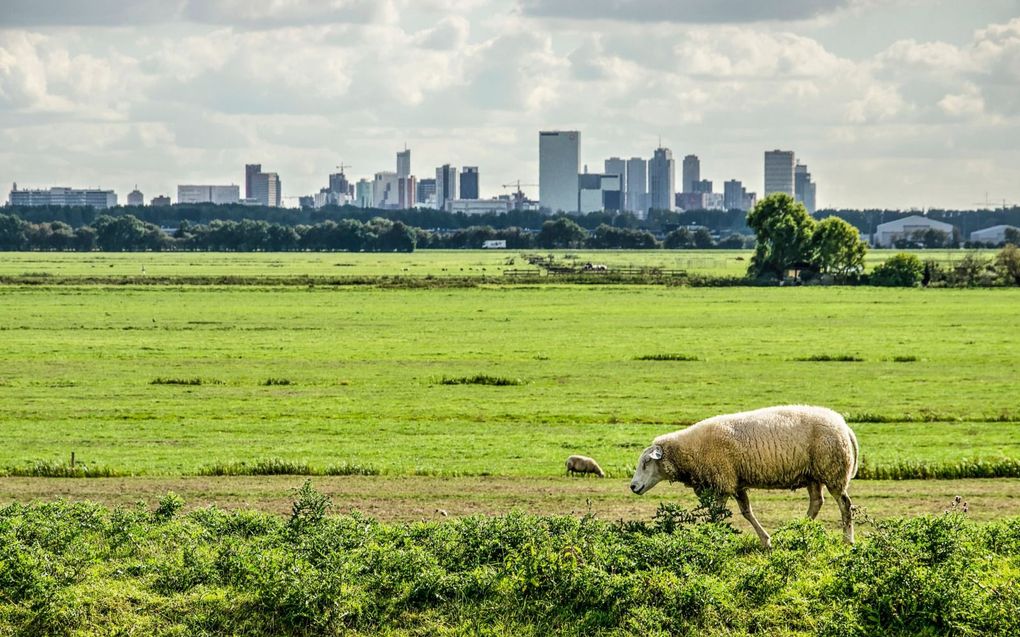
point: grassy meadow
(471, 263)
(177, 380)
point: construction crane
(342, 165)
(990, 205)
(518, 194)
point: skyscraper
(338, 184)
(363, 194)
(617, 166)
(426, 191)
(692, 172)
(250, 170)
(386, 191)
(559, 162)
(446, 185)
(265, 188)
(469, 182)
(404, 163)
(779, 171)
(733, 195)
(661, 180)
(636, 198)
(803, 187)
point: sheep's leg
(814, 490)
(843, 500)
(745, 510)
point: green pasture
(364, 366)
(420, 263)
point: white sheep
(787, 447)
(584, 464)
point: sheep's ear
(655, 453)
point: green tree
(13, 233)
(117, 234)
(679, 239)
(901, 270)
(784, 229)
(1012, 235)
(838, 249)
(561, 233)
(703, 239)
(1007, 264)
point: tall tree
(838, 249)
(784, 229)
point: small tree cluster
(789, 238)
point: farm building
(994, 235)
(886, 234)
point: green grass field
(421, 263)
(94, 370)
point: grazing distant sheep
(773, 448)
(584, 464)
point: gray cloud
(690, 11)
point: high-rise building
(779, 171)
(62, 196)
(598, 192)
(559, 162)
(803, 187)
(363, 194)
(339, 184)
(691, 172)
(265, 189)
(617, 166)
(408, 190)
(426, 191)
(188, 193)
(404, 163)
(636, 197)
(446, 185)
(733, 194)
(160, 200)
(469, 182)
(386, 191)
(661, 180)
(136, 198)
(250, 171)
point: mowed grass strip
(76, 365)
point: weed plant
(81, 569)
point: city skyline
(897, 104)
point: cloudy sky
(891, 103)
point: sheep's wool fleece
(785, 447)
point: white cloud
(969, 103)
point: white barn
(886, 234)
(994, 235)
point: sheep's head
(649, 470)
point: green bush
(901, 270)
(78, 568)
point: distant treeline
(658, 222)
(125, 233)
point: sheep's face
(649, 471)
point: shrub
(175, 381)
(1007, 264)
(901, 270)
(480, 379)
(667, 357)
(269, 382)
(831, 358)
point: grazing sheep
(786, 447)
(584, 464)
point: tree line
(128, 233)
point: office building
(265, 189)
(160, 200)
(363, 197)
(701, 185)
(559, 161)
(426, 191)
(63, 196)
(699, 201)
(307, 201)
(404, 163)
(446, 185)
(190, 193)
(408, 192)
(617, 166)
(733, 195)
(386, 191)
(691, 173)
(338, 183)
(779, 171)
(479, 206)
(661, 180)
(803, 187)
(636, 186)
(597, 192)
(469, 182)
(250, 171)
(136, 198)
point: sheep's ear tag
(656, 453)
